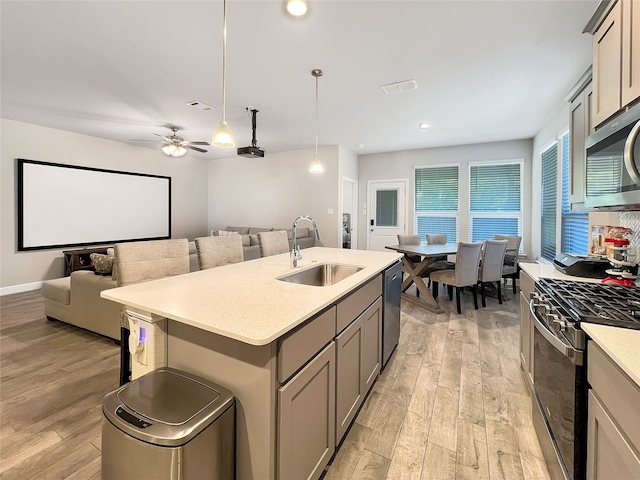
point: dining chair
(410, 240)
(215, 251)
(491, 263)
(510, 268)
(137, 262)
(465, 273)
(273, 243)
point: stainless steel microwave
(613, 164)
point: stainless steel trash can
(168, 425)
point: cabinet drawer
(352, 306)
(526, 285)
(618, 393)
(299, 346)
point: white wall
(20, 270)
(396, 165)
(274, 190)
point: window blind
(495, 200)
(549, 201)
(436, 201)
(575, 225)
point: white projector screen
(68, 206)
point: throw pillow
(103, 264)
(223, 233)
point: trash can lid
(167, 396)
(166, 406)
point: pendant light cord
(316, 117)
(224, 61)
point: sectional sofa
(76, 299)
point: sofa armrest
(88, 309)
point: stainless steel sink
(321, 275)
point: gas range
(613, 305)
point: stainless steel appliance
(391, 313)
(560, 385)
(168, 425)
(613, 163)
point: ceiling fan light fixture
(223, 136)
(180, 151)
(297, 7)
(168, 149)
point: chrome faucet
(295, 249)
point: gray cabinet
(616, 63)
(357, 364)
(526, 329)
(613, 425)
(306, 420)
(580, 127)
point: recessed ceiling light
(424, 125)
(359, 145)
(297, 7)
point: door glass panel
(387, 208)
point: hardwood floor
(451, 404)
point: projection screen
(69, 206)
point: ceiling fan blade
(194, 148)
(197, 143)
(166, 139)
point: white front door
(387, 213)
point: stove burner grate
(614, 305)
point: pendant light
(223, 135)
(316, 165)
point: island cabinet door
(357, 364)
(306, 419)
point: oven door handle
(568, 351)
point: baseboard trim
(25, 287)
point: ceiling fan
(176, 146)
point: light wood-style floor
(451, 404)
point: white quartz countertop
(246, 301)
(621, 344)
(543, 270)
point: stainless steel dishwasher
(168, 425)
(391, 314)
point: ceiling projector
(253, 151)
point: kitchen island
(299, 359)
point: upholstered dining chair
(139, 262)
(465, 273)
(273, 243)
(491, 263)
(410, 240)
(510, 268)
(215, 251)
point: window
(549, 201)
(575, 225)
(436, 201)
(495, 200)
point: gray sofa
(251, 249)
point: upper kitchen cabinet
(616, 57)
(630, 51)
(580, 127)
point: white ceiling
(485, 70)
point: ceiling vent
(200, 105)
(399, 87)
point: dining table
(428, 254)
